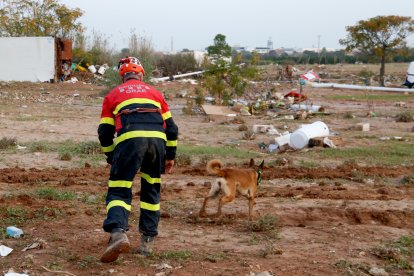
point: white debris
(4, 250)
(363, 126)
(313, 108)
(15, 274)
(376, 271)
(163, 266)
(265, 128)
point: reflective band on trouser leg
(119, 184)
(150, 207)
(150, 179)
(120, 203)
(119, 197)
(151, 168)
(150, 204)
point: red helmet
(130, 65)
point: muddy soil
(327, 220)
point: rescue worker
(146, 141)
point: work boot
(145, 247)
(118, 243)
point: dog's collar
(259, 177)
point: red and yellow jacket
(135, 109)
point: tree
(224, 78)
(379, 37)
(220, 51)
(39, 18)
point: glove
(109, 157)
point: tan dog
(245, 181)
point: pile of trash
(89, 74)
(307, 135)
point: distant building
(270, 43)
(238, 49)
(262, 50)
(318, 50)
(287, 51)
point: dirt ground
(308, 220)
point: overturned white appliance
(300, 137)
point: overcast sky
(193, 24)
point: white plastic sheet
(4, 250)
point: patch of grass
(352, 268)
(88, 262)
(358, 176)
(405, 117)
(408, 179)
(269, 249)
(39, 146)
(93, 160)
(254, 239)
(54, 265)
(90, 147)
(388, 153)
(267, 223)
(396, 252)
(178, 255)
(12, 216)
(65, 254)
(47, 213)
(87, 147)
(54, 194)
(216, 257)
(65, 156)
(7, 142)
(405, 244)
(183, 159)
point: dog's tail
(215, 167)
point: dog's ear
(251, 162)
(261, 165)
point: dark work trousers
(131, 155)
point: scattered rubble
(4, 250)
